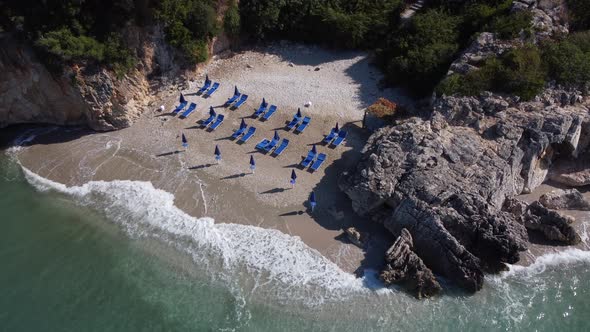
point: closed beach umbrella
(299, 112)
(313, 149)
(312, 201)
(236, 92)
(212, 111)
(337, 128)
(206, 78)
(217, 153)
(182, 100)
(276, 137)
(252, 164)
(293, 178)
(184, 142)
(263, 101)
(243, 124)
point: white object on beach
(162, 108)
(308, 104)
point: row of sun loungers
(213, 124)
(336, 137)
(268, 145)
(309, 160)
(208, 88)
(248, 134)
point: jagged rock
(405, 267)
(570, 199)
(551, 224)
(516, 207)
(356, 237)
(446, 179)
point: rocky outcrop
(552, 225)
(446, 179)
(404, 267)
(355, 237)
(86, 93)
(559, 199)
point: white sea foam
(566, 257)
(269, 256)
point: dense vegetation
(524, 71)
(92, 31)
(414, 53)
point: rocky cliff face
(90, 95)
(445, 179)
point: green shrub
(65, 45)
(420, 53)
(510, 26)
(568, 61)
(231, 20)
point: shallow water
(119, 256)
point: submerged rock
(405, 267)
(551, 224)
(570, 199)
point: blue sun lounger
(180, 107)
(331, 136)
(318, 162)
(293, 122)
(303, 124)
(232, 99)
(262, 144)
(213, 89)
(208, 121)
(281, 147)
(189, 110)
(248, 134)
(271, 145)
(340, 138)
(217, 122)
(305, 162)
(261, 109)
(238, 132)
(204, 87)
(240, 102)
(271, 110)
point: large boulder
(405, 267)
(570, 199)
(554, 226)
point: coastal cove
(209, 246)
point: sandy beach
(340, 85)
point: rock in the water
(405, 267)
(357, 238)
(551, 224)
(570, 199)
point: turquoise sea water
(101, 257)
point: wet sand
(227, 191)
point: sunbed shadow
(235, 176)
(164, 114)
(201, 166)
(292, 213)
(291, 166)
(169, 153)
(275, 191)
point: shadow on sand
(169, 153)
(334, 209)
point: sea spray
(292, 269)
